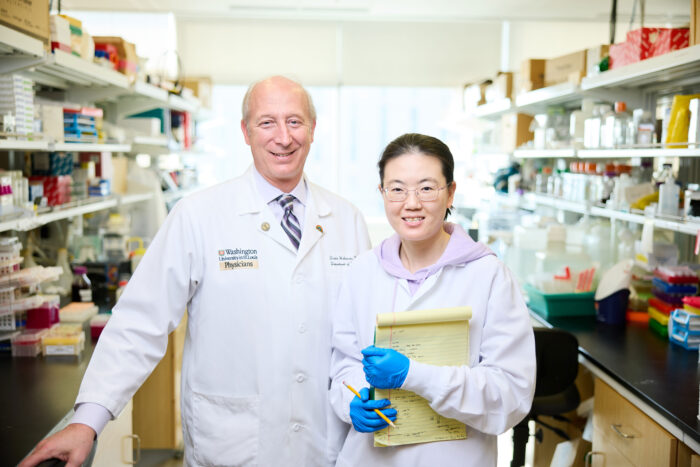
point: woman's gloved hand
(364, 418)
(384, 368)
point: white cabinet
(116, 444)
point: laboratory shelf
(679, 65)
(73, 209)
(675, 224)
(20, 145)
(638, 152)
(89, 147)
(538, 100)
(63, 70)
(493, 109)
(18, 51)
(543, 153)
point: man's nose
(283, 135)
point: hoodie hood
(461, 249)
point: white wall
(330, 53)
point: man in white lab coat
(256, 357)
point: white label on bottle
(85, 295)
(60, 350)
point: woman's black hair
(415, 143)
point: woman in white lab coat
(430, 264)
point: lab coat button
(296, 427)
(302, 329)
(265, 226)
(301, 378)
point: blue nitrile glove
(364, 418)
(384, 368)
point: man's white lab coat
(489, 396)
(256, 357)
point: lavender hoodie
(461, 249)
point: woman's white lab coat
(256, 357)
(489, 396)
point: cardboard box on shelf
(531, 75)
(126, 52)
(474, 94)
(501, 88)
(28, 16)
(60, 33)
(201, 87)
(593, 57)
(515, 131)
(569, 67)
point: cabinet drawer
(625, 428)
(606, 455)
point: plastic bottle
(577, 122)
(81, 287)
(621, 124)
(669, 194)
(120, 289)
(625, 245)
(607, 129)
(65, 280)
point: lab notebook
(436, 337)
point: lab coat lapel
(317, 208)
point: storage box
(515, 131)
(669, 40)
(56, 188)
(28, 16)
(531, 75)
(126, 51)
(60, 33)
(565, 304)
(570, 67)
(201, 87)
(593, 57)
(501, 88)
(643, 43)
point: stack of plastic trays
(79, 128)
(63, 340)
(669, 286)
(17, 99)
(684, 329)
(28, 343)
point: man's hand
(384, 368)
(364, 418)
(71, 445)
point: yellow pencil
(379, 412)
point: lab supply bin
(562, 304)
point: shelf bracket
(12, 64)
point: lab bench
(660, 379)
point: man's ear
(244, 129)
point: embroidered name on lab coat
(238, 258)
(340, 260)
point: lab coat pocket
(226, 430)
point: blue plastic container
(613, 308)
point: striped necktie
(290, 223)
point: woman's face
(415, 220)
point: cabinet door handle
(136, 438)
(588, 458)
(616, 429)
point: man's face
(279, 131)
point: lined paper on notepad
(436, 337)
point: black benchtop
(36, 394)
(663, 375)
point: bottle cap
(620, 106)
(80, 269)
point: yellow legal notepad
(436, 337)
